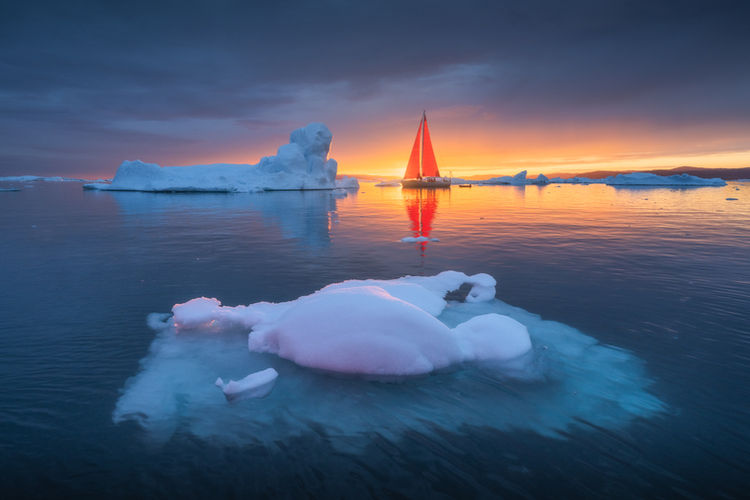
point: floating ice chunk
(301, 164)
(541, 179)
(32, 178)
(388, 184)
(367, 327)
(493, 337)
(417, 239)
(575, 378)
(648, 179)
(362, 330)
(347, 183)
(255, 385)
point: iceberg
(417, 239)
(643, 179)
(540, 180)
(33, 178)
(300, 165)
(347, 183)
(367, 327)
(517, 180)
(255, 385)
(648, 179)
(460, 356)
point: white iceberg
(540, 180)
(643, 179)
(417, 239)
(301, 164)
(393, 183)
(517, 180)
(648, 179)
(255, 385)
(347, 183)
(367, 327)
(33, 178)
(523, 373)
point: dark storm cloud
(75, 70)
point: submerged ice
(491, 365)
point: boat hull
(427, 182)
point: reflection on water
(421, 205)
(662, 273)
(307, 216)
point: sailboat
(422, 170)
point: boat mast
(421, 150)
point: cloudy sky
(539, 84)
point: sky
(543, 85)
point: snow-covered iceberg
(643, 179)
(417, 239)
(34, 178)
(647, 179)
(368, 327)
(511, 370)
(255, 385)
(517, 180)
(301, 164)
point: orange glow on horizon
(467, 145)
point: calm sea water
(661, 274)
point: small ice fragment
(418, 239)
(255, 385)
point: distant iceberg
(647, 179)
(33, 178)
(301, 164)
(517, 180)
(643, 179)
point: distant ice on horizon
(303, 164)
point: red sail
(429, 164)
(412, 169)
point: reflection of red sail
(429, 163)
(421, 206)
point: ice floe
(417, 239)
(506, 368)
(301, 164)
(34, 178)
(255, 385)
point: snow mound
(255, 385)
(301, 164)
(366, 327)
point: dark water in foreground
(663, 274)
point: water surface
(662, 274)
